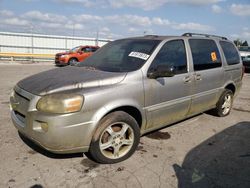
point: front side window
(172, 54)
(124, 55)
(86, 49)
(205, 54)
(230, 52)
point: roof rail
(204, 35)
(151, 35)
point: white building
(42, 44)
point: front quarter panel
(101, 101)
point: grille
(20, 105)
(17, 94)
(57, 58)
(20, 116)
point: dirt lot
(203, 151)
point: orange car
(75, 55)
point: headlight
(60, 103)
(63, 56)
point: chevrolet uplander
(129, 87)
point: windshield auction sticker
(139, 55)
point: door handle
(198, 77)
(187, 79)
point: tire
(72, 61)
(115, 139)
(224, 104)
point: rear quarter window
(205, 54)
(230, 52)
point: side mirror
(80, 52)
(161, 71)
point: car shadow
(35, 148)
(221, 161)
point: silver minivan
(129, 87)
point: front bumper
(67, 133)
(61, 61)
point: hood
(68, 78)
(62, 53)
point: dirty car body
(132, 78)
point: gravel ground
(203, 151)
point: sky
(113, 19)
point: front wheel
(224, 104)
(72, 61)
(116, 138)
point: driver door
(84, 53)
(167, 99)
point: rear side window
(205, 54)
(230, 52)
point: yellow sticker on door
(214, 56)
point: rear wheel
(224, 104)
(115, 139)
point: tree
(244, 43)
(238, 42)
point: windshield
(122, 55)
(75, 49)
